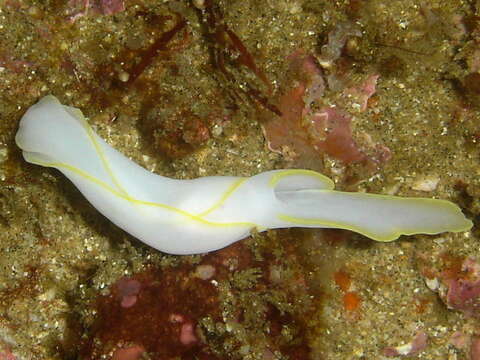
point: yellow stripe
(122, 193)
(224, 197)
(77, 114)
(281, 174)
(140, 202)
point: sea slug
(206, 214)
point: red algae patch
(308, 129)
(287, 134)
(162, 319)
(342, 279)
(351, 301)
(192, 310)
(130, 353)
(333, 126)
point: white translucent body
(205, 214)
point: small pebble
(432, 284)
(123, 76)
(427, 183)
(199, 4)
(217, 130)
(204, 272)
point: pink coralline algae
(81, 8)
(187, 330)
(110, 7)
(333, 125)
(187, 334)
(468, 343)
(128, 289)
(303, 134)
(418, 344)
(462, 293)
(7, 355)
(459, 340)
(288, 134)
(362, 93)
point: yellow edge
(281, 174)
(233, 187)
(141, 202)
(390, 236)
